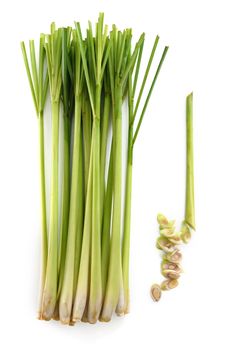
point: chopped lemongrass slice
(155, 292)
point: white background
(198, 314)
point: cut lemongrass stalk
(53, 48)
(190, 205)
(185, 232)
(38, 81)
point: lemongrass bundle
(85, 271)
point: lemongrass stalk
(115, 270)
(50, 288)
(65, 201)
(85, 314)
(53, 48)
(127, 204)
(75, 213)
(104, 139)
(66, 297)
(43, 207)
(95, 298)
(87, 131)
(80, 218)
(82, 291)
(38, 82)
(190, 206)
(67, 99)
(105, 242)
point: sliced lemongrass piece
(169, 284)
(155, 292)
(164, 244)
(169, 225)
(168, 265)
(176, 238)
(162, 220)
(167, 232)
(174, 256)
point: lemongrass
(67, 99)
(86, 259)
(105, 240)
(76, 201)
(53, 48)
(38, 81)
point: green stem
(95, 300)
(80, 218)
(50, 289)
(43, 208)
(87, 130)
(83, 277)
(190, 206)
(128, 195)
(65, 201)
(66, 298)
(115, 269)
(107, 223)
(104, 138)
(127, 220)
